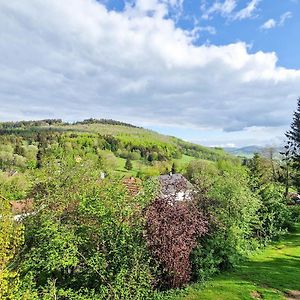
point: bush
(14, 187)
(231, 209)
(172, 229)
(128, 164)
(11, 238)
(274, 217)
(87, 235)
(148, 172)
(295, 213)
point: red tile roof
(133, 185)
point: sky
(218, 73)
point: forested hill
(27, 143)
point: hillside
(114, 142)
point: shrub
(13, 187)
(87, 235)
(273, 215)
(231, 209)
(295, 213)
(171, 231)
(128, 164)
(11, 238)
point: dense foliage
(85, 238)
(11, 239)
(105, 121)
(25, 144)
(292, 149)
(90, 237)
(172, 229)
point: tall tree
(173, 170)
(293, 145)
(269, 153)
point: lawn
(269, 275)
(138, 165)
(183, 162)
(121, 167)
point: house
(175, 186)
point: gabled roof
(175, 185)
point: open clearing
(272, 274)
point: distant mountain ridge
(249, 151)
(244, 151)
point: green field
(183, 161)
(270, 275)
(121, 167)
(181, 165)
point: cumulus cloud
(271, 23)
(133, 66)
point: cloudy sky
(218, 72)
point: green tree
(80, 242)
(273, 215)
(11, 237)
(293, 145)
(232, 208)
(173, 170)
(128, 164)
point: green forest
(70, 228)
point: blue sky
(283, 39)
(219, 72)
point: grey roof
(173, 184)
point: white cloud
(227, 9)
(132, 66)
(287, 15)
(223, 8)
(196, 32)
(158, 8)
(209, 29)
(271, 23)
(248, 11)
